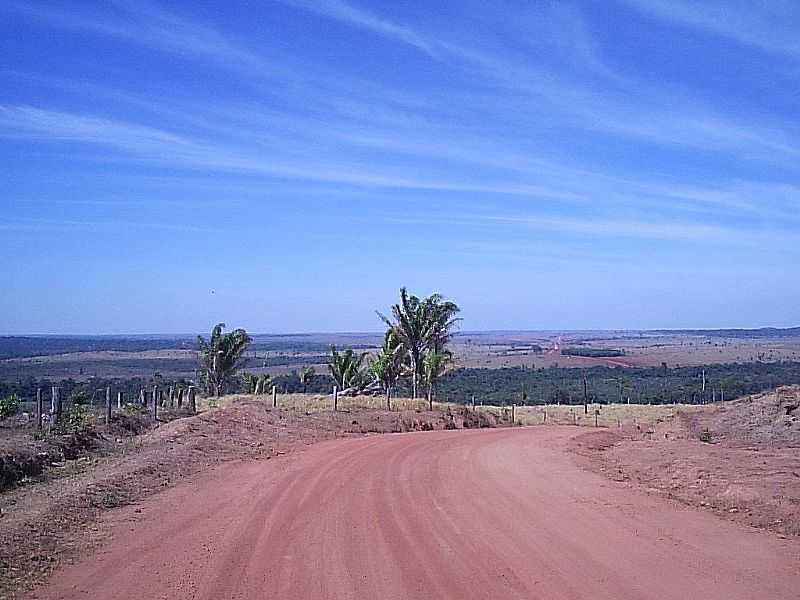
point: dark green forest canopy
(505, 386)
(615, 384)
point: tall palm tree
(443, 318)
(221, 356)
(347, 368)
(421, 325)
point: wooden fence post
(142, 397)
(171, 397)
(513, 418)
(119, 400)
(53, 402)
(335, 398)
(274, 396)
(108, 405)
(59, 406)
(192, 401)
(155, 402)
(544, 417)
(180, 397)
(473, 402)
(596, 414)
(39, 407)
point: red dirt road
(494, 514)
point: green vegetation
(306, 376)
(433, 367)
(347, 368)
(387, 367)
(75, 418)
(422, 327)
(9, 406)
(79, 396)
(593, 352)
(653, 385)
(221, 356)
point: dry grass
(314, 403)
(610, 415)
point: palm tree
(221, 356)
(421, 325)
(250, 382)
(434, 366)
(262, 384)
(346, 368)
(442, 315)
(388, 364)
(306, 375)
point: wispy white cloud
(144, 24)
(631, 110)
(768, 24)
(604, 227)
(179, 151)
(348, 13)
(48, 225)
(502, 170)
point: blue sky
(286, 166)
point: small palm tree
(250, 382)
(262, 384)
(221, 356)
(434, 366)
(347, 368)
(306, 376)
(388, 364)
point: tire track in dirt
(502, 513)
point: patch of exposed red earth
(495, 513)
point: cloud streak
(502, 170)
(144, 24)
(767, 24)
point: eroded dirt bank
(739, 460)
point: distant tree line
(656, 385)
(592, 352)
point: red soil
(503, 513)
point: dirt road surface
(494, 514)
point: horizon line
(171, 335)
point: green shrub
(9, 406)
(75, 418)
(79, 396)
(133, 409)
